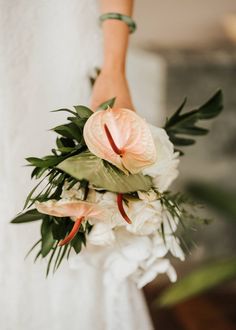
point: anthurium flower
(122, 138)
(76, 210)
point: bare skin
(112, 81)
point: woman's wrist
(116, 36)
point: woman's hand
(109, 84)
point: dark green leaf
(69, 131)
(110, 103)
(83, 111)
(65, 110)
(28, 216)
(47, 161)
(47, 237)
(181, 141)
(76, 243)
(33, 248)
(65, 247)
(60, 229)
(186, 124)
(53, 250)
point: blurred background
(188, 48)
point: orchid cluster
(107, 187)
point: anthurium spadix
(122, 138)
(76, 210)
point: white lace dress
(48, 49)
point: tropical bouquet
(106, 184)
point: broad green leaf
(107, 104)
(47, 237)
(103, 175)
(28, 216)
(199, 281)
(83, 111)
(180, 124)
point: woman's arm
(112, 79)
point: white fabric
(48, 48)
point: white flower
(107, 201)
(145, 216)
(129, 252)
(76, 192)
(160, 266)
(101, 234)
(164, 170)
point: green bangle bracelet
(126, 19)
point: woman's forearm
(116, 34)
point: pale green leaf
(103, 175)
(199, 281)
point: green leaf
(110, 103)
(34, 246)
(103, 175)
(53, 251)
(83, 111)
(28, 216)
(60, 229)
(65, 142)
(69, 131)
(180, 141)
(65, 110)
(47, 237)
(76, 243)
(46, 162)
(58, 262)
(199, 281)
(186, 124)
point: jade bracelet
(126, 19)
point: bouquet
(106, 184)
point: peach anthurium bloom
(78, 210)
(122, 138)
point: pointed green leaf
(47, 237)
(76, 243)
(65, 110)
(83, 111)
(110, 103)
(28, 216)
(186, 124)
